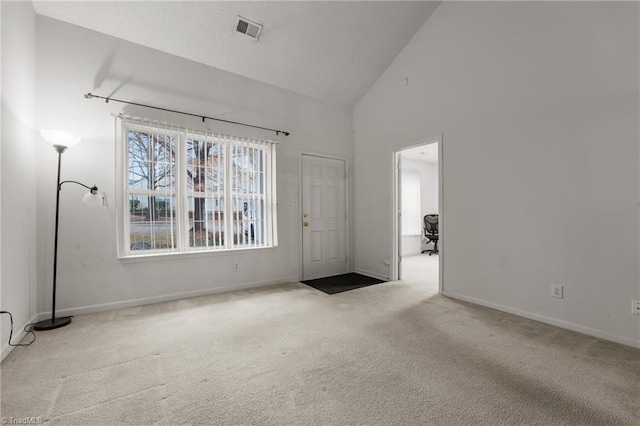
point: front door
(324, 218)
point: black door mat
(341, 283)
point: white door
(324, 218)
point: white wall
(538, 105)
(73, 61)
(429, 188)
(17, 170)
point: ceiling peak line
(203, 117)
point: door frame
(395, 208)
(347, 206)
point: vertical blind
(188, 190)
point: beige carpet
(387, 354)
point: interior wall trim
(131, 303)
(370, 274)
(547, 320)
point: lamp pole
(54, 322)
(61, 141)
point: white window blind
(189, 191)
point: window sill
(161, 257)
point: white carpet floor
(388, 354)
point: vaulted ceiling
(329, 50)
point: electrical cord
(27, 329)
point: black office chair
(431, 232)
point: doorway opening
(417, 214)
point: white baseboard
(18, 334)
(548, 320)
(370, 274)
(91, 309)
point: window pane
(206, 222)
(247, 170)
(248, 221)
(138, 174)
(163, 148)
(151, 160)
(164, 176)
(152, 223)
(248, 189)
(205, 166)
(138, 143)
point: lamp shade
(59, 138)
(92, 197)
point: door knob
(306, 223)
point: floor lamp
(61, 141)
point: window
(411, 220)
(188, 191)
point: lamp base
(50, 325)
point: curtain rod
(204, 117)
(138, 119)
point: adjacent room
(418, 189)
(306, 212)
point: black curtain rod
(204, 117)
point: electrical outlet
(556, 291)
(635, 307)
(236, 266)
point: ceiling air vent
(249, 28)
